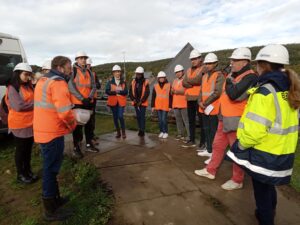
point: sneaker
(204, 173)
(204, 153)
(91, 148)
(231, 185)
(178, 137)
(182, 138)
(165, 135)
(189, 144)
(207, 161)
(160, 134)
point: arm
(234, 91)
(185, 82)
(61, 100)
(217, 92)
(73, 90)
(131, 93)
(16, 102)
(153, 98)
(170, 99)
(125, 91)
(147, 93)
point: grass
(295, 183)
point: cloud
(145, 30)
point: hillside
(104, 70)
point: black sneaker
(91, 148)
(32, 176)
(24, 179)
(189, 144)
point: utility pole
(124, 65)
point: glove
(86, 101)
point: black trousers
(23, 155)
(266, 201)
(192, 107)
(93, 118)
(88, 131)
(210, 126)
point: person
(162, 102)
(98, 87)
(179, 104)
(192, 82)
(139, 92)
(35, 77)
(117, 91)
(19, 100)
(82, 87)
(53, 118)
(209, 104)
(46, 67)
(232, 103)
(268, 130)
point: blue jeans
(118, 112)
(52, 153)
(163, 121)
(140, 116)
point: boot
(123, 134)
(60, 201)
(77, 151)
(52, 213)
(118, 135)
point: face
(45, 71)
(179, 74)
(66, 69)
(237, 65)
(161, 79)
(117, 74)
(138, 76)
(196, 62)
(259, 69)
(210, 66)
(25, 76)
(81, 61)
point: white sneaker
(204, 173)
(204, 153)
(165, 135)
(207, 161)
(231, 185)
(160, 134)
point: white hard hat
(89, 61)
(23, 67)
(195, 54)
(47, 65)
(161, 74)
(116, 68)
(178, 68)
(81, 54)
(241, 53)
(210, 58)
(82, 116)
(139, 70)
(274, 54)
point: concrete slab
(189, 208)
(146, 181)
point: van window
(7, 64)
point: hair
(294, 89)
(15, 80)
(59, 61)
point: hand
(153, 109)
(201, 105)
(139, 103)
(170, 109)
(86, 101)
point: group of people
(255, 114)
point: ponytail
(294, 91)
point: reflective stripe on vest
(179, 100)
(195, 90)
(162, 97)
(145, 83)
(113, 100)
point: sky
(111, 30)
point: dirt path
(154, 184)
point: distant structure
(181, 58)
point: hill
(104, 70)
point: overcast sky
(146, 30)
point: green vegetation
(295, 183)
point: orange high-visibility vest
(195, 90)
(113, 100)
(207, 88)
(83, 84)
(162, 97)
(19, 120)
(133, 83)
(53, 115)
(179, 101)
(231, 108)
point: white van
(11, 53)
